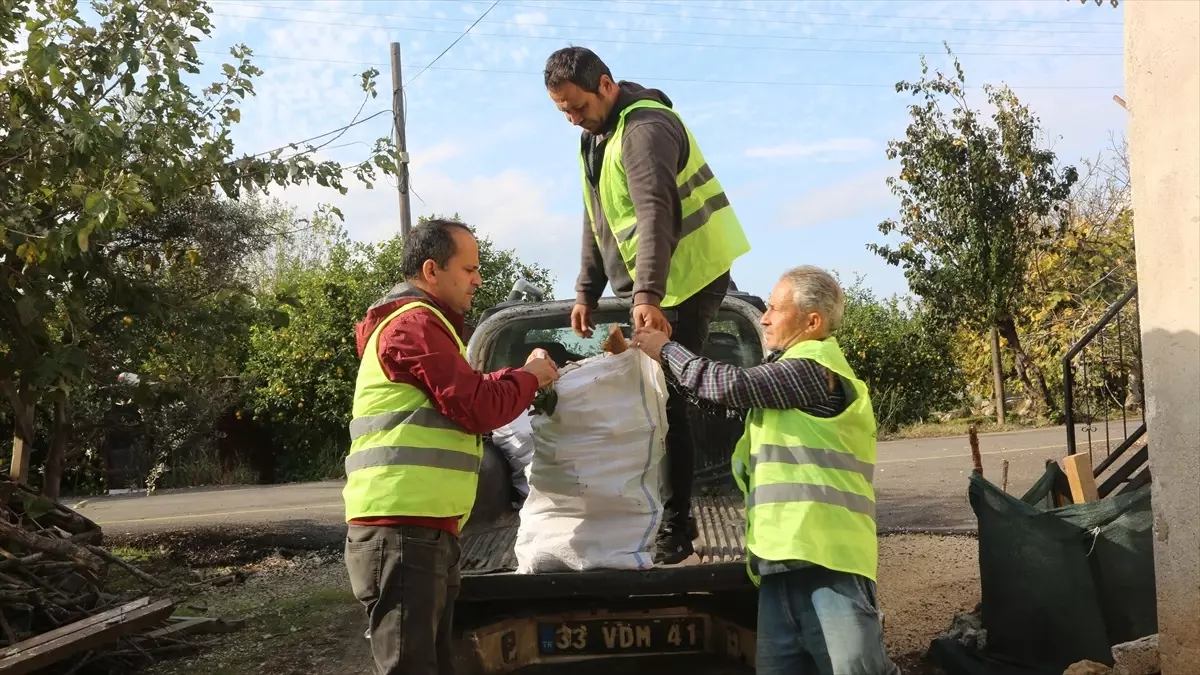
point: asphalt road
(921, 485)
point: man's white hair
(815, 290)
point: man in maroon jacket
(405, 569)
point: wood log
(58, 515)
(57, 547)
(615, 342)
(976, 458)
(128, 567)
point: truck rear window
(732, 339)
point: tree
(102, 132)
(500, 269)
(904, 358)
(976, 200)
(1073, 277)
(160, 379)
(302, 370)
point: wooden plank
(69, 628)
(62, 643)
(1078, 468)
(976, 458)
(19, 467)
(184, 626)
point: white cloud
(510, 206)
(855, 197)
(833, 149)
(506, 169)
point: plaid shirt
(801, 384)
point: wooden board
(1078, 468)
(62, 643)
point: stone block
(1139, 657)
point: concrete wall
(1162, 82)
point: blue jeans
(814, 621)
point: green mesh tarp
(1059, 585)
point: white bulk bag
(515, 440)
(593, 481)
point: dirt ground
(301, 618)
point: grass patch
(137, 556)
(958, 428)
(304, 612)
(291, 620)
(151, 561)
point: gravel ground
(924, 581)
(301, 618)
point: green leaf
(82, 239)
(97, 205)
(39, 60)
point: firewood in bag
(593, 481)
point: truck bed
(489, 563)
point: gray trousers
(407, 579)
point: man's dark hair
(430, 240)
(578, 65)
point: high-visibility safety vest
(711, 238)
(808, 481)
(406, 458)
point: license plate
(621, 636)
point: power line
(624, 29)
(340, 130)
(776, 83)
(464, 34)
(808, 12)
(817, 23)
(760, 82)
(1057, 31)
(667, 44)
(696, 3)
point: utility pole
(401, 143)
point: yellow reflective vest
(406, 458)
(711, 238)
(808, 481)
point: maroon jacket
(417, 348)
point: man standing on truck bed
(658, 227)
(805, 465)
(415, 448)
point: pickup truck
(703, 607)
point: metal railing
(1101, 376)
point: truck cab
(704, 606)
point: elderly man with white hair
(805, 465)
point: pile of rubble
(54, 607)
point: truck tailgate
(722, 538)
(489, 563)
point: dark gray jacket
(654, 150)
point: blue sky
(792, 102)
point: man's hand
(540, 365)
(581, 320)
(538, 353)
(652, 317)
(651, 342)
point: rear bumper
(674, 580)
(509, 644)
